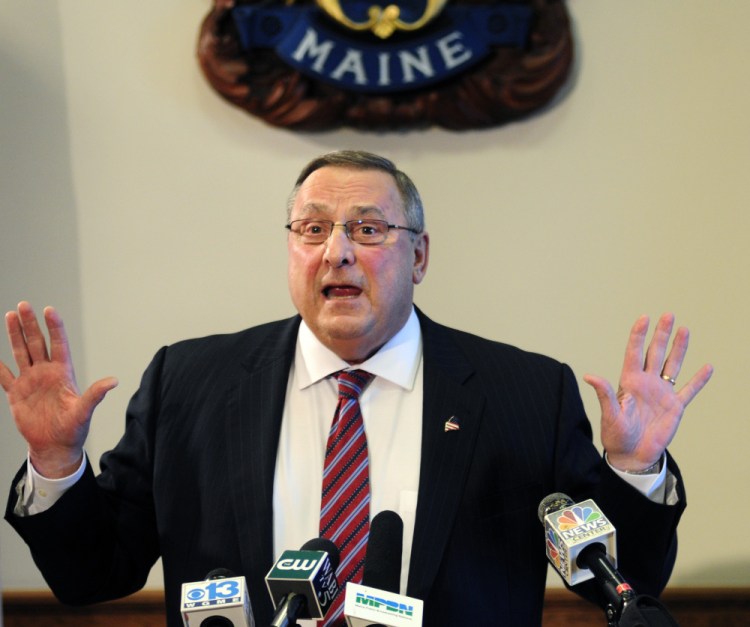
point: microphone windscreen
(219, 573)
(553, 503)
(324, 544)
(382, 568)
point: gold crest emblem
(383, 22)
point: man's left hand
(640, 420)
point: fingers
(697, 382)
(16, 340)
(657, 348)
(27, 339)
(26, 342)
(58, 338)
(673, 363)
(6, 377)
(36, 343)
(636, 341)
(669, 367)
(654, 361)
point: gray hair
(360, 160)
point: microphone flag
(224, 600)
(306, 573)
(569, 530)
(365, 606)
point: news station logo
(580, 523)
(365, 606)
(386, 606)
(570, 527)
(295, 565)
(211, 593)
(553, 549)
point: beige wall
(148, 210)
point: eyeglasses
(368, 232)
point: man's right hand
(48, 410)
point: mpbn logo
(378, 602)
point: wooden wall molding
(691, 607)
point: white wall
(148, 210)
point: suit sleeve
(646, 531)
(99, 541)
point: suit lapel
(446, 453)
(255, 411)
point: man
(222, 457)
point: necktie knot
(352, 382)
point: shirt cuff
(653, 486)
(36, 494)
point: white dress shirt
(392, 412)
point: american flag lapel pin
(452, 424)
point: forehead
(334, 191)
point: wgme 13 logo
(214, 592)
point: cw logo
(296, 564)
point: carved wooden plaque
(319, 65)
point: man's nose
(339, 249)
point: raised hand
(640, 420)
(50, 413)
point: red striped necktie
(345, 503)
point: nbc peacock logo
(577, 516)
(553, 550)
(580, 521)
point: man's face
(354, 297)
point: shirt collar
(397, 361)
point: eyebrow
(311, 209)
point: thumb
(605, 393)
(97, 391)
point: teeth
(327, 291)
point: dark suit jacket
(192, 481)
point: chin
(345, 328)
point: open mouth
(341, 291)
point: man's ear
(421, 257)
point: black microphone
(580, 541)
(221, 600)
(385, 544)
(302, 584)
(377, 602)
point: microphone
(221, 600)
(581, 545)
(302, 584)
(377, 602)
(384, 549)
